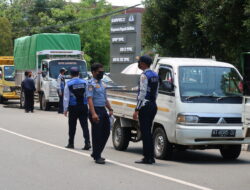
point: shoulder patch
(90, 88)
(143, 77)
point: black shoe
(70, 146)
(26, 111)
(86, 147)
(100, 161)
(96, 159)
(32, 111)
(145, 161)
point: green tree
(95, 34)
(6, 47)
(194, 28)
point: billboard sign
(125, 45)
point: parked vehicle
(199, 107)
(246, 98)
(7, 79)
(45, 55)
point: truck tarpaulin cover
(26, 47)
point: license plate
(223, 133)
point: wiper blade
(224, 97)
(201, 96)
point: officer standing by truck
(28, 87)
(75, 103)
(146, 107)
(60, 89)
(99, 118)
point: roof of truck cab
(6, 60)
(176, 62)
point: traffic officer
(28, 87)
(98, 116)
(60, 89)
(146, 107)
(75, 103)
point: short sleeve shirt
(97, 90)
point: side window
(166, 78)
(44, 67)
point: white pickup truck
(199, 107)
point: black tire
(163, 149)
(21, 100)
(44, 105)
(1, 100)
(230, 152)
(120, 136)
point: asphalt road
(33, 157)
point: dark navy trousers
(78, 112)
(60, 103)
(100, 131)
(29, 100)
(146, 117)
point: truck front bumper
(10, 95)
(202, 135)
(53, 99)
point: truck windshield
(56, 65)
(207, 84)
(9, 73)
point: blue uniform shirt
(60, 83)
(97, 90)
(75, 93)
(148, 88)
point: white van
(199, 107)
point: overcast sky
(124, 2)
(120, 2)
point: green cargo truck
(45, 54)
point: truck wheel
(163, 149)
(120, 136)
(1, 99)
(230, 152)
(44, 105)
(22, 99)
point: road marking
(111, 161)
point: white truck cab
(199, 107)
(47, 71)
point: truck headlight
(6, 89)
(187, 119)
(53, 92)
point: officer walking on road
(146, 107)
(60, 89)
(98, 116)
(75, 103)
(28, 87)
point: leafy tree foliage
(198, 28)
(5, 37)
(29, 17)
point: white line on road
(111, 161)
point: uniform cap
(74, 71)
(145, 59)
(62, 69)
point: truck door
(166, 100)
(246, 91)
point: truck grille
(219, 120)
(208, 119)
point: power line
(86, 20)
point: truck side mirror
(44, 74)
(167, 86)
